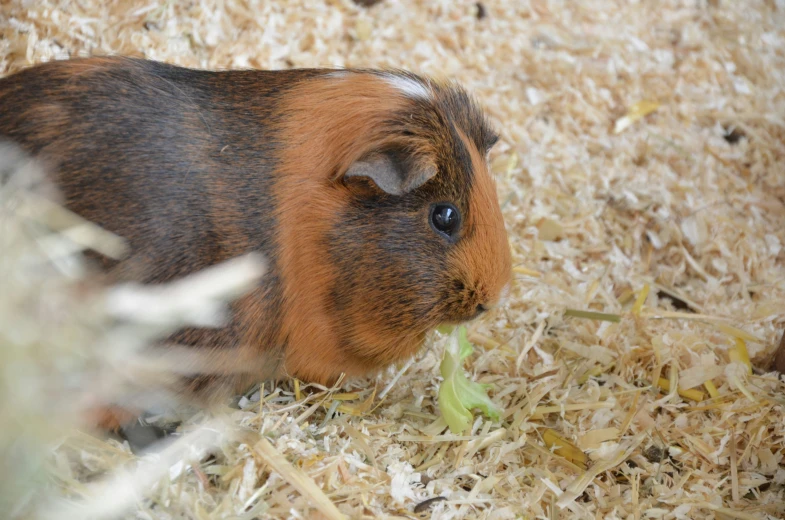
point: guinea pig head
(417, 237)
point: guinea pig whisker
(494, 226)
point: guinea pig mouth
(468, 303)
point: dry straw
(641, 177)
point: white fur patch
(337, 74)
(409, 87)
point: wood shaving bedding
(642, 175)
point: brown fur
(197, 167)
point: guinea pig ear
(393, 172)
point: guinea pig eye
(445, 219)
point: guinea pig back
(367, 191)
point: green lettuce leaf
(458, 396)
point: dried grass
(684, 198)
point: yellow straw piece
(744, 355)
(626, 296)
(739, 384)
(637, 111)
(591, 315)
(525, 271)
(711, 389)
(592, 372)
(738, 333)
(638, 305)
(693, 394)
(346, 396)
(630, 414)
(564, 448)
(360, 408)
(540, 411)
(298, 480)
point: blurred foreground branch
(66, 345)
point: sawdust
(642, 175)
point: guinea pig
(368, 193)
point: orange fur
(332, 123)
(111, 418)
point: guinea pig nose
(481, 308)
